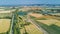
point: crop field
(36, 15)
(29, 20)
(31, 29)
(52, 29)
(4, 25)
(48, 20)
(49, 23)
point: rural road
(11, 28)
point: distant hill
(52, 5)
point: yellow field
(50, 21)
(4, 25)
(31, 29)
(22, 30)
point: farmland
(30, 20)
(49, 23)
(4, 25)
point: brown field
(4, 25)
(36, 15)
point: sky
(17, 2)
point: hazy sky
(16, 2)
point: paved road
(38, 26)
